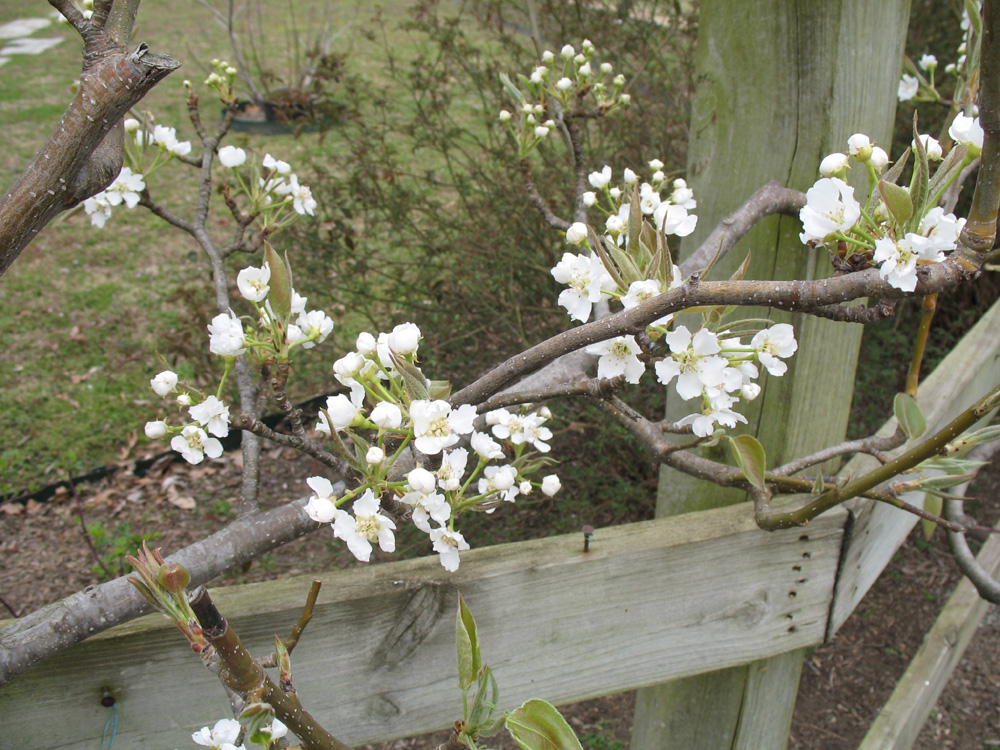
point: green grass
(85, 312)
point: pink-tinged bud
(173, 577)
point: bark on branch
(84, 153)
(58, 626)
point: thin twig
(302, 444)
(873, 445)
(5, 603)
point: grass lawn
(84, 311)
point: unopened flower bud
(156, 429)
(568, 51)
(366, 344)
(174, 577)
(859, 146)
(375, 455)
(576, 233)
(879, 158)
(504, 115)
(834, 165)
(548, 56)
(551, 485)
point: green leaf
(897, 200)
(932, 504)
(634, 220)
(742, 270)
(909, 416)
(597, 244)
(481, 717)
(514, 91)
(439, 390)
(538, 725)
(280, 295)
(751, 458)
(469, 659)
(414, 382)
(919, 182)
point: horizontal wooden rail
(648, 603)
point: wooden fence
(647, 603)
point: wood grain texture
(781, 84)
(900, 720)
(649, 602)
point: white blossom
(437, 426)
(576, 233)
(387, 416)
(427, 506)
(281, 167)
(551, 485)
(448, 544)
(834, 164)
(774, 344)
(485, 446)
(967, 131)
(342, 411)
(931, 146)
(600, 179)
(227, 338)
(588, 282)
(908, 87)
(404, 339)
(193, 445)
(164, 383)
(213, 415)
(830, 207)
(453, 465)
(156, 429)
(225, 732)
(322, 506)
(618, 356)
(231, 156)
(692, 361)
(253, 282)
(365, 527)
(941, 229)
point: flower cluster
(221, 79)
(630, 262)
(718, 368)
(274, 191)
(272, 338)
(567, 78)
(918, 83)
(127, 188)
(898, 228)
(391, 406)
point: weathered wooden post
(781, 83)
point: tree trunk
(781, 84)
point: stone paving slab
(23, 27)
(29, 46)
